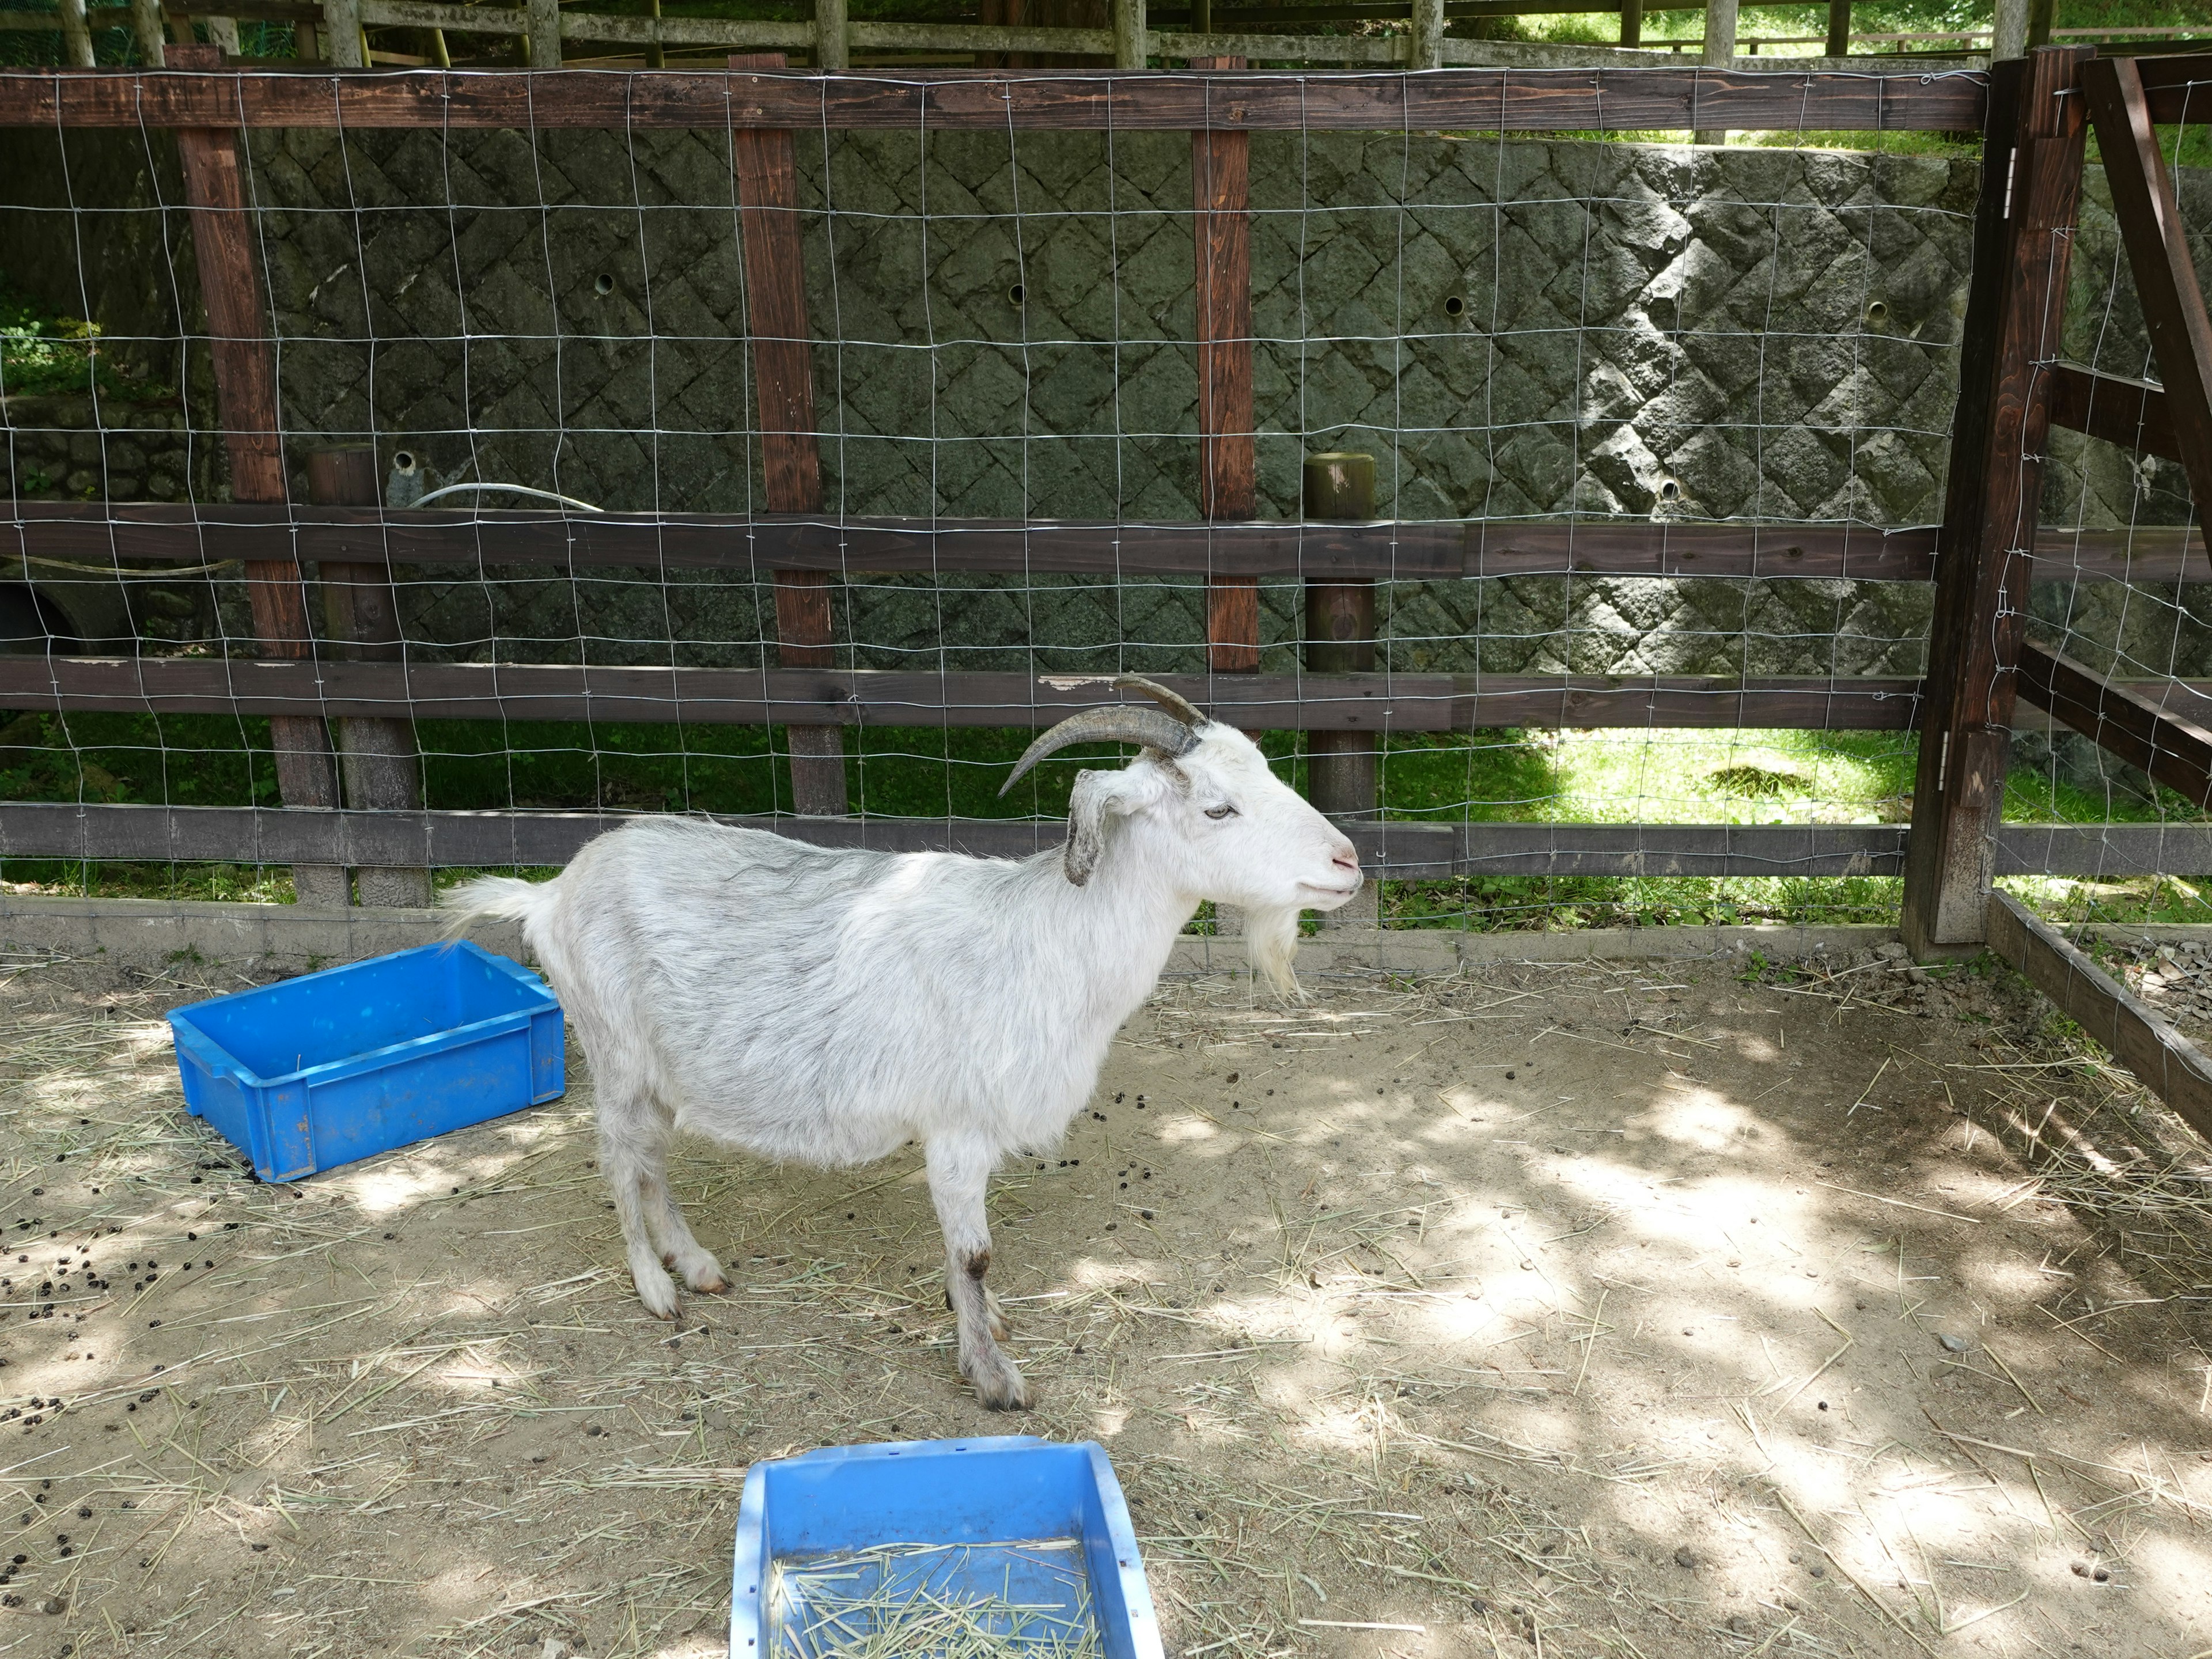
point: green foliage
(41, 353)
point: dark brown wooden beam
(102, 532)
(2177, 752)
(2163, 1061)
(2023, 248)
(2173, 86)
(727, 696)
(1461, 100)
(2132, 414)
(246, 399)
(1228, 471)
(783, 387)
(2149, 218)
(1398, 850)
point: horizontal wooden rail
(101, 533)
(2163, 1061)
(1394, 849)
(2178, 87)
(1482, 100)
(733, 697)
(1409, 552)
(2175, 751)
(2132, 414)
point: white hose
(506, 489)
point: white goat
(828, 1007)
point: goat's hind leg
(671, 1234)
(958, 1174)
(634, 1157)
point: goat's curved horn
(1122, 723)
(1171, 700)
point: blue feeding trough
(1012, 1546)
(336, 1066)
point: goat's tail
(500, 898)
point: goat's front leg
(959, 1170)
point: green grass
(1501, 776)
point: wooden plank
(783, 384)
(2149, 217)
(1228, 475)
(2163, 1061)
(105, 532)
(445, 839)
(379, 762)
(2175, 86)
(2023, 248)
(2132, 414)
(560, 692)
(1483, 100)
(246, 400)
(2177, 752)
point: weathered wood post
(1719, 53)
(1426, 42)
(342, 33)
(77, 32)
(1228, 476)
(791, 460)
(146, 24)
(377, 757)
(2009, 37)
(1631, 22)
(246, 401)
(1342, 768)
(830, 48)
(1839, 28)
(2015, 306)
(544, 24)
(1132, 42)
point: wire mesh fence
(655, 462)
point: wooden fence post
(544, 23)
(246, 401)
(831, 50)
(77, 32)
(1228, 481)
(783, 382)
(2009, 37)
(1839, 28)
(1426, 42)
(1719, 53)
(146, 24)
(2015, 305)
(1341, 766)
(1631, 22)
(342, 33)
(378, 758)
(1131, 43)
(1343, 769)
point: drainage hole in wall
(1016, 294)
(603, 284)
(1454, 305)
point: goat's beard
(1271, 942)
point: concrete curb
(151, 932)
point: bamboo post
(245, 398)
(1719, 53)
(342, 33)
(146, 25)
(830, 48)
(1131, 46)
(378, 758)
(791, 461)
(1228, 483)
(77, 32)
(1839, 28)
(2023, 246)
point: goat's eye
(1224, 811)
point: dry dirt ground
(1564, 1309)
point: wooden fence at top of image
(2035, 112)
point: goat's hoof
(657, 1291)
(998, 1385)
(701, 1272)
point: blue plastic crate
(1026, 1522)
(333, 1067)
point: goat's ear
(1096, 796)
